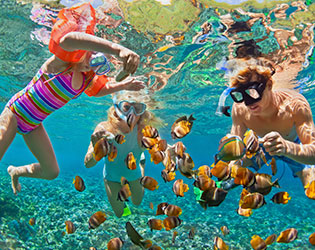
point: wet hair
(247, 49)
(242, 70)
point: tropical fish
(155, 224)
(131, 120)
(149, 183)
(219, 244)
(123, 181)
(149, 131)
(115, 244)
(253, 201)
(258, 243)
(287, 235)
(70, 227)
(182, 126)
(124, 193)
(97, 219)
(242, 176)
(112, 153)
(192, 233)
(251, 142)
(131, 161)
(310, 190)
(271, 239)
(157, 157)
(170, 165)
(231, 148)
(179, 148)
(311, 239)
(171, 222)
(263, 184)
(221, 170)
(179, 188)
(273, 165)
(204, 170)
(148, 142)
(161, 208)
(101, 149)
(175, 233)
(78, 183)
(32, 221)
(185, 166)
(212, 197)
(120, 139)
(172, 210)
(281, 198)
(168, 176)
(204, 182)
(92, 248)
(224, 230)
(136, 238)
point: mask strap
(222, 109)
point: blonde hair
(147, 118)
(242, 70)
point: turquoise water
(194, 84)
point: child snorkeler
(128, 116)
(74, 68)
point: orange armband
(96, 85)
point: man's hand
(274, 144)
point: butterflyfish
(224, 230)
(179, 148)
(204, 170)
(175, 233)
(155, 224)
(219, 244)
(287, 235)
(70, 227)
(97, 219)
(182, 126)
(281, 198)
(112, 153)
(167, 176)
(270, 239)
(101, 149)
(149, 131)
(258, 243)
(310, 190)
(204, 182)
(148, 142)
(191, 234)
(253, 201)
(161, 207)
(149, 183)
(157, 157)
(179, 188)
(120, 139)
(212, 197)
(131, 161)
(172, 210)
(263, 184)
(171, 222)
(32, 221)
(311, 239)
(79, 183)
(243, 176)
(185, 165)
(115, 244)
(124, 193)
(221, 170)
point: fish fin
(157, 186)
(191, 118)
(183, 118)
(73, 181)
(276, 183)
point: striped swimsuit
(44, 94)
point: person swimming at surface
(127, 107)
(73, 69)
(281, 118)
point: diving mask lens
(126, 106)
(250, 92)
(99, 63)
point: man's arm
(303, 153)
(142, 163)
(238, 126)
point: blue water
(194, 85)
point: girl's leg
(112, 190)
(8, 129)
(137, 192)
(47, 168)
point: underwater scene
(186, 50)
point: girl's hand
(130, 59)
(274, 144)
(95, 137)
(133, 84)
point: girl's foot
(16, 186)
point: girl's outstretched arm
(82, 41)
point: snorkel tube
(222, 109)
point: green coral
(152, 16)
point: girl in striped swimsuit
(56, 83)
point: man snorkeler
(281, 118)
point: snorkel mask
(99, 63)
(249, 93)
(125, 109)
